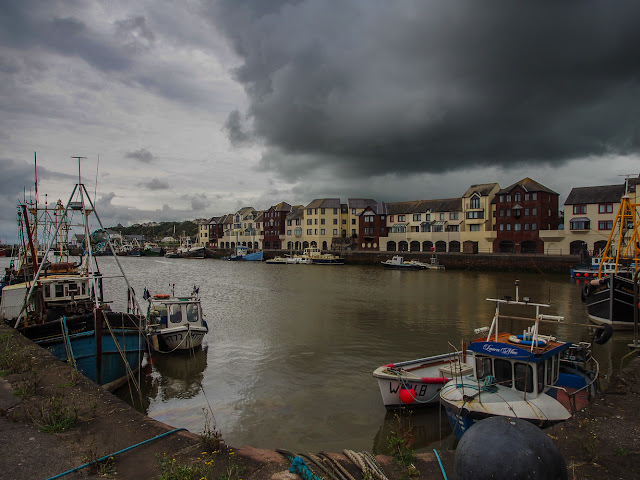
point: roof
(259, 217)
(361, 202)
(527, 185)
(324, 203)
(483, 189)
(422, 206)
(379, 208)
(296, 213)
(281, 207)
(599, 194)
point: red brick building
(372, 226)
(274, 225)
(520, 211)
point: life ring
(603, 334)
(528, 343)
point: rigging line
(95, 190)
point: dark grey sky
(195, 108)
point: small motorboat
(418, 382)
(398, 263)
(175, 323)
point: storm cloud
(370, 88)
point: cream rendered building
(478, 221)
(321, 219)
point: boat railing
(571, 395)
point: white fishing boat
(318, 258)
(398, 263)
(529, 376)
(277, 261)
(418, 382)
(175, 323)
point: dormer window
(474, 202)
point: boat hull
(421, 380)
(616, 307)
(194, 252)
(104, 365)
(183, 338)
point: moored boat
(175, 323)
(318, 258)
(530, 376)
(61, 305)
(277, 261)
(242, 254)
(418, 382)
(398, 263)
(612, 298)
(188, 249)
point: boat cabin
(170, 312)
(511, 363)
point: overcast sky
(189, 109)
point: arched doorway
(324, 245)
(276, 245)
(427, 246)
(267, 245)
(598, 247)
(529, 247)
(403, 246)
(441, 246)
(391, 246)
(506, 246)
(577, 247)
(414, 246)
(305, 244)
(454, 246)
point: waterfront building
(478, 219)
(371, 226)
(274, 226)
(203, 232)
(294, 229)
(423, 226)
(241, 229)
(520, 212)
(321, 218)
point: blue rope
(299, 467)
(116, 453)
(440, 463)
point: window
(59, 290)
(175, 314)
(516, 227)
(549, 364)
(353, 221)
(391, 218)
(579, 209)
(309, 231)
(401, 218)
(335, 221)
(534, 226)
(517, 197)
(526, 227)
(453, 228)
(344, 221)
(353, 231)
(397, 228)
(442, 216)
(526, 197)
(508, 227)
(579, 224)
(315, 231)
(474, 228)
(534, 196)
(322, 231)
(322, 211)
(298, 232)
(501, 198)
(502, 227)
(322, 221)
(524, 377)
(483, 367)
(474, 202)
(453, 216)
(335, 232)
(605, 208)
(534, 211)
(605, 224)
(368, 219)
(503, 372)
(476, 214)
(540, 374)
(309, 221)
(526, 212)
(417, 217)
(428, 217)
(335, 211)
(502, 213)
(436, 228)
(353, 211)
(508, 212)
(288, 232)
(508, 197)
(192, 312)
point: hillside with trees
(157, 231)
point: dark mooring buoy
(508, 448)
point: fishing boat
(530, 376)
(591, 270)
(152, 250)
(299, 260)
(62, 308)
(398, 263)
(612, 297)
(188, 249)
(434, 264)
(416, 383)
(175, 323)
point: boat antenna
(35, 171)
(79, 159)
(95, 190)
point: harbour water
(291, 349)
